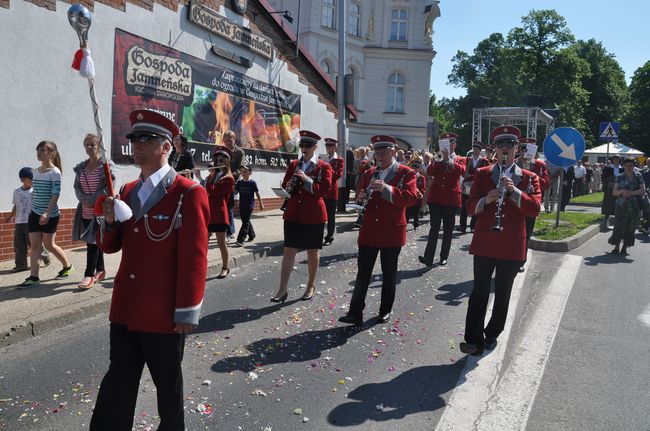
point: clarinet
(502, 194)
(292, 185)
(366, 199)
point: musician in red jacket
(502, 196)
(158, 289)
(220, 184)
(332, 196)
(413, 211)
(472, 165)
(444, 199)
(527, 159)
(307, 180)
(390, 188)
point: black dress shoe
(352, 319)
(443, 262)
(383, 317)
(424, 261)
(522, 268)
(328, 241)
(471, 349)
(490, 343)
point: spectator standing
(608, 178)
(89, 184)
(247, 190)
(580, 177)
(551, 197)
(181, 158)
(567, 186)
(595, 177)
(588, 178)
(628, 186)
(44, 217)
(229, 139)
(22, 206)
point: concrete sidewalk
(55, 303)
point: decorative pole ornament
(80, 19)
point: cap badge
(140, 116)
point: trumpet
(293, 185)
(502, 194)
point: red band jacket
(524, 201)
(219, 192)
(337, 165)
(306, 205)
(384, 220)
(161, 278)
(445, 186)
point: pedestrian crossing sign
(609, 131)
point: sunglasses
(505, 144)
(143, 139)
(305, 145)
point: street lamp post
(340, 87)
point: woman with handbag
(629, 189)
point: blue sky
(621, 26)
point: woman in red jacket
(220, 185)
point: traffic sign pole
(559, 199)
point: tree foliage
(540, 57)
(637, 131)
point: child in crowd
(44, 217)
(247, 190)
(22, 205)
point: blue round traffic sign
(564, 146)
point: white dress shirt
(150, 183)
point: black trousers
(446, 215)
(413, 213)
(246, 229)
(484, 267)
(94, 256)
(566, 196)
(366, 262)
(330, 205)
(463, 215)
(344, 198)
(130, 351)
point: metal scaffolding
(531, 117)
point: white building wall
(43, 98)
(376, 57)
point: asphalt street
(253, 365)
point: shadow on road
(414, 391)
(607, 259)
(302, 347)
(452, 294)
(227, 319)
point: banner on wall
(203, 98)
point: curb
(57, 319)
(568, 244)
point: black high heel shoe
(280, 298)
(309, 293)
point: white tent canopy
(614, 148)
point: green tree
(605, 84)
(635, 126)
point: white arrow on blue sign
(608, 131)
(564, 146)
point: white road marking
(644, 317)
(478, 379)
(510, 406)
(481, 401)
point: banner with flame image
(205, 99)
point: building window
(324, 64)
(395, 102)
(399, 24)
(354, 19)
(329, 14)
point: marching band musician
(490, 155)
(472, 165)
(159, 287)
(502, 191)
(413, 211)
(537, 167)
(332, 196)
(220, 185)
(444, 199)
(305, 216)
(383, 230)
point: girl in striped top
(89, 185)
(44, 218)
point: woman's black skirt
(303, 236)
